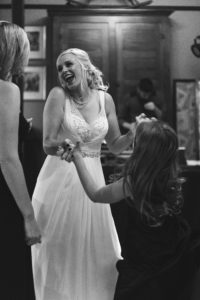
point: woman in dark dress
(18, 226)
(158, 249)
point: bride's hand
(143, 118)
(60, 151)
(132, 126)
(66, 150)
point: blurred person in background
(142, 99)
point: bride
(80, 246)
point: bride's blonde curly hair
(91, 74)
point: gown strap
(67, 105)
(102, 99)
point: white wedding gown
(80, 247)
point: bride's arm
(116, 142)
(52, 120)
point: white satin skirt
(77, 257)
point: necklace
(79, 102)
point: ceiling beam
(151, 7)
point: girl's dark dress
(159, 262)
(15, 265)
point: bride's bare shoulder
(57, 91)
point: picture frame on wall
(37, 39)
(186, 116)
(35, 83)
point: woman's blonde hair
(14, 50)
(91, 74)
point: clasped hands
(133, 126)
(143, 118)
(66, 150)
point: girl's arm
(9, 159)
(107, 194)
(52, 120)
(115, 141)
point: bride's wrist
(130, 134)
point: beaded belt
(90, 153)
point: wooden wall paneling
(139, 53)
(113, 83)
(165, 84)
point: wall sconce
(196, 46)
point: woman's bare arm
(115, 141)
(9, 159)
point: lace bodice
(90, 135)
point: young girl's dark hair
(151, 173)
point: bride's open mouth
(68, 78)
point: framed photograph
(37, 39)
(35, 83)
(186, 116)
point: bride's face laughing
(69, 71)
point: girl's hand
(68, 151)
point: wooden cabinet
(125, 45)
